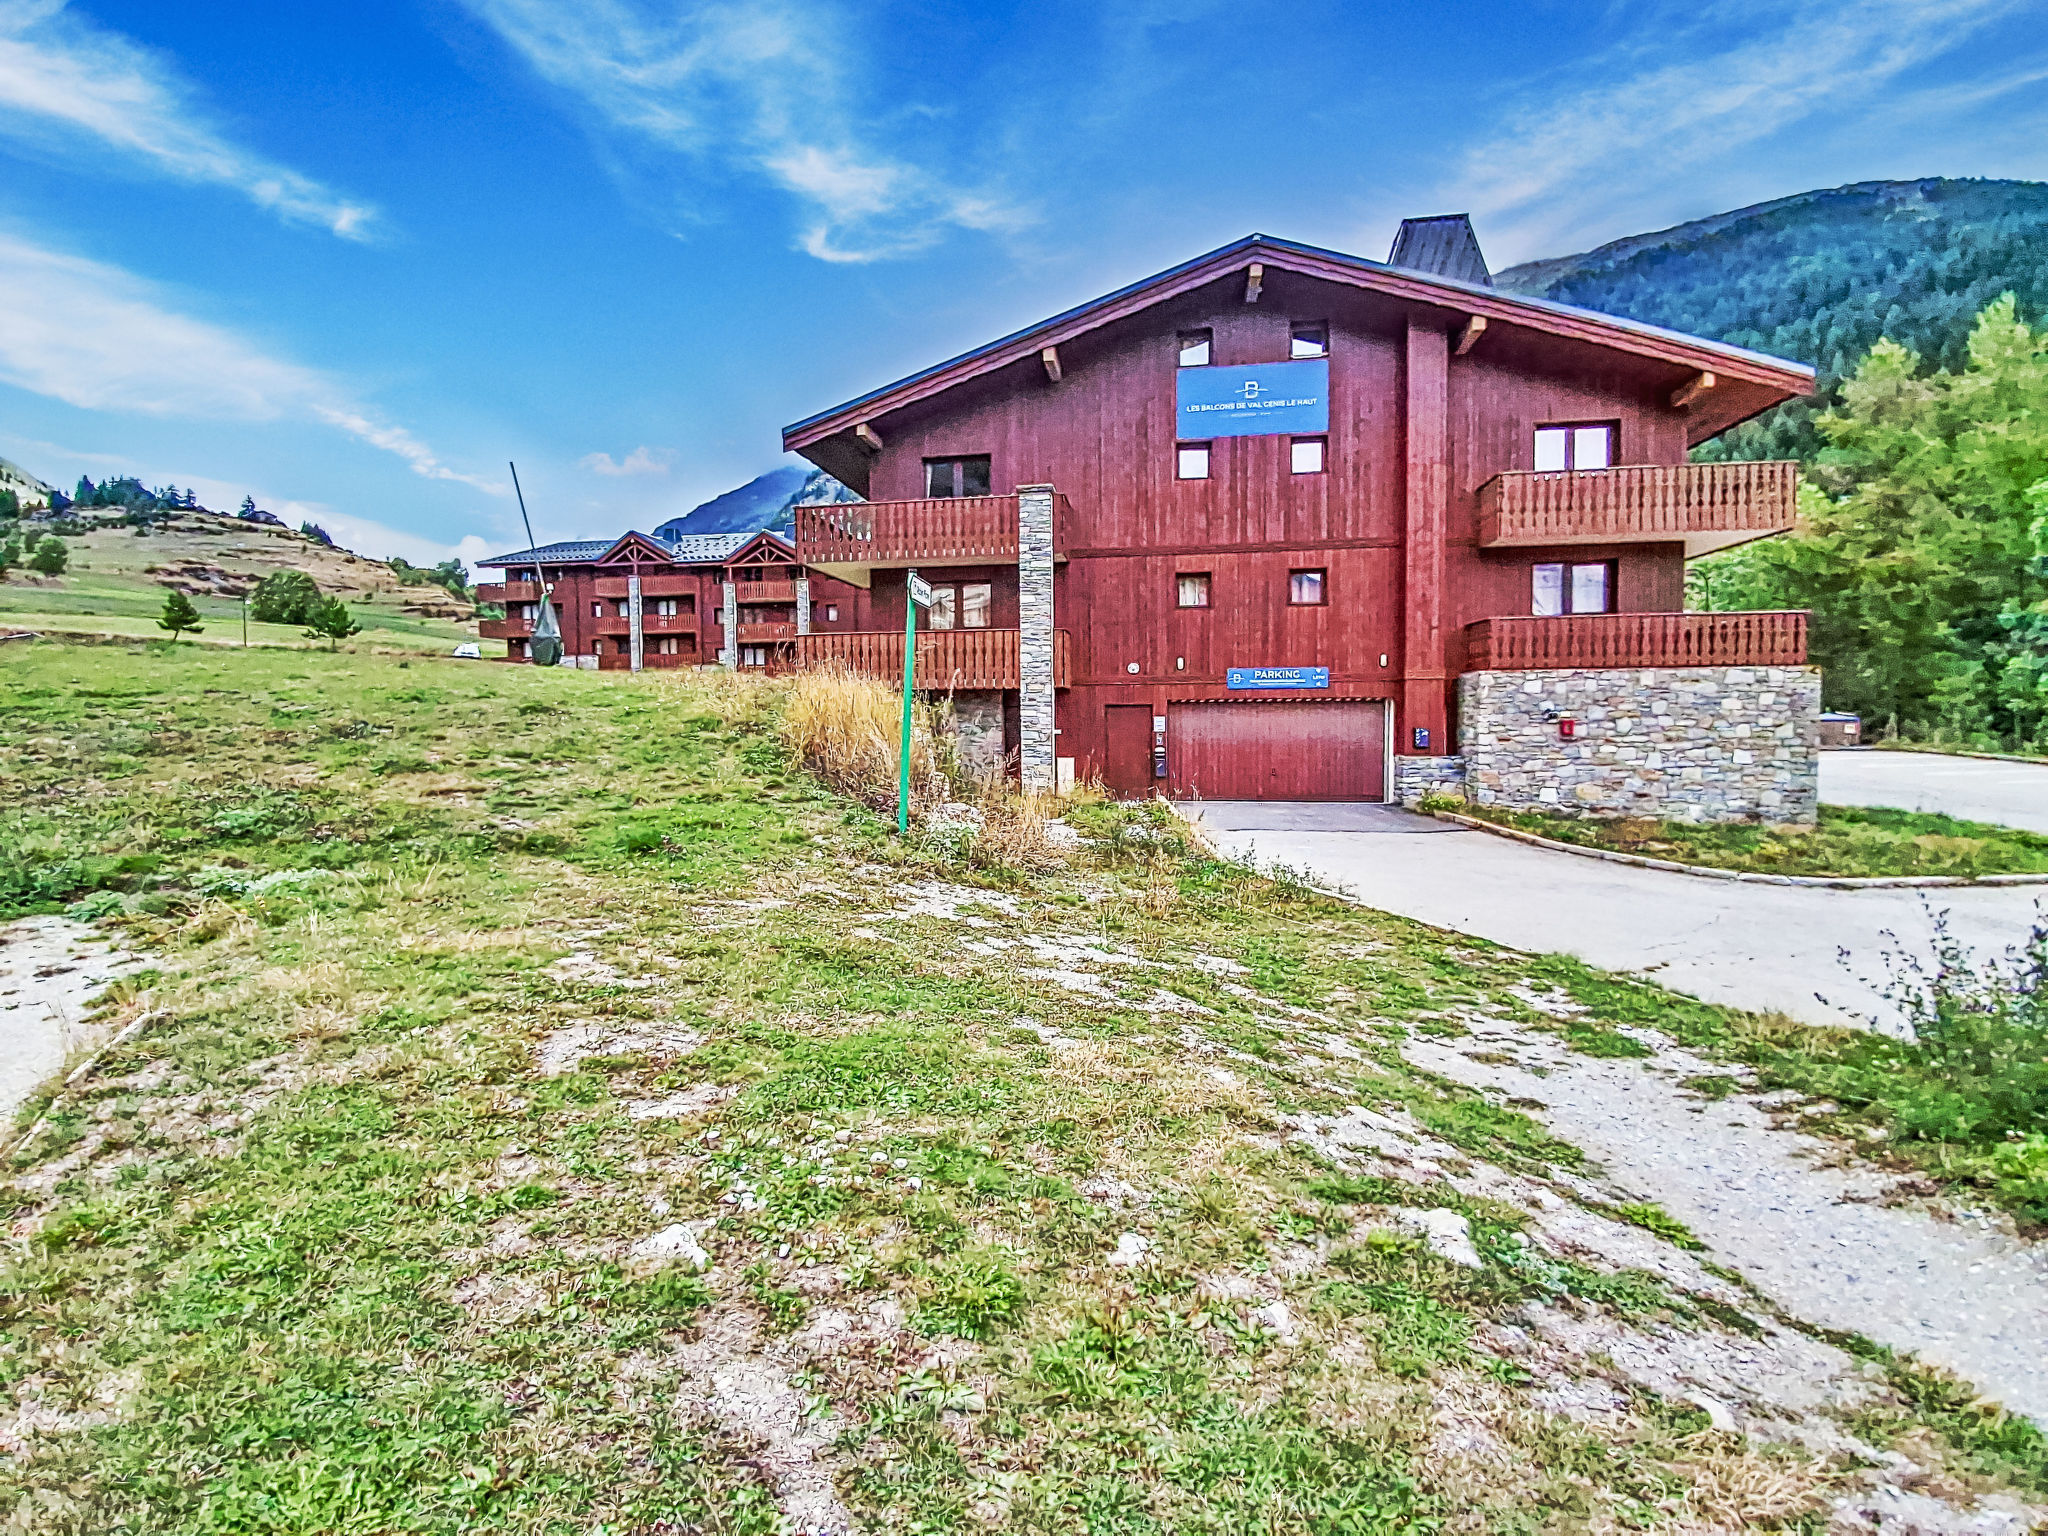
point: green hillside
(1820, 277)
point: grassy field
(114, 587)
(488, 999)
(1847, 841)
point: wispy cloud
(752, 86)
(641, 461)
(1635, 127)
(64, 80)
(97, 337)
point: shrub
(284, 597)
(49, 557)
(1436, 800)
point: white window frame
(1191, 461)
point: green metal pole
(909, 682)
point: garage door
(1277, 751)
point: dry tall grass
(845, 728)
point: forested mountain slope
(1820, 276)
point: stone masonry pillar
(1035, 639)
(635, 631)
(803, 605)
(729, 611)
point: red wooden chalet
(1238, 529)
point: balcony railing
(1703, 506)
(503, 629)
(955, 530)
(508, 591)
(751, 592)
(670, 584)
(946, 658)
(1773, 639)
(650, 624)
(765, 634)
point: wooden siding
(947, 659)
(1774, 639)
(1658, 502)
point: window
(1194, 349)
(1305, 588)
(597, 610)
(753, 655)
(942, 609)
(1193, 461)
(976, 599)
(625, 608)
(1191, 591)
(1590, 446)
(597, 647)
(956, 477)
(1309, 341)
(664, 607)
(831, 613)
(1306, 457)
(1559, 589)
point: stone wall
(977, 727)
(1674, 743)
(1415, 777)
(1036, 769)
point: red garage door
(1277, 751)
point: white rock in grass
(1131, 1248)
(1448, 1235)
(1278, 1321)
(678, 1242)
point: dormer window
(1309, 341)
(956, 477)
(1194, 349)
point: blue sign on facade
(1256, 678)
(1253, 400)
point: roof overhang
(1762, 381)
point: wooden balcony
(765, 634)
(1773, 639)
(508, 591)
(947, 659)
(503, 629)
(666, 584)
(1703, 506)
(650, 624)
(748, 593)
(851, 539)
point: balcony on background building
(666, 584)
(759, 593)
(503, 629)
(1772, 639)
(1703, 506)
(851, 539)
(947, 659)
(508, 591)
(610, 623)
(765, 634)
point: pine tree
(248, 506)
(178, 615)
(331, 622)
(83, 495)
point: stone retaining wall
(1674, 743)
(1415, 777)
(977, 727)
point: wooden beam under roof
(869, 438)
(1691, 390)
(1469, 334)
(1254, 278)
(1050, 357)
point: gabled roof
(1457, 297)
(695, 549)
(1444, 245)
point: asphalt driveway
(1753, 946)
(1976, 789)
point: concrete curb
(1743, 876)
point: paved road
(1976, 789)
(1753, 946)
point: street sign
(920, 590)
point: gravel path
(1957, 1289)
(50, 967)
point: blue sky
(350, 258)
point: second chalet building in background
(1283, 523)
